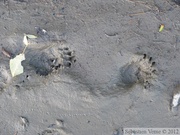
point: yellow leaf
(161, 27)
(15, 65)
(25, 41)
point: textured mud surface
(5, 77)
(95, 68)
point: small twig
(6, 53)
(24, 49)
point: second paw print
(141, 70)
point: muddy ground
(100, 66)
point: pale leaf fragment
(15, 65)
(25, 40)
(176, 100)
(31, 36)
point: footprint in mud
(5, 77)
(24, 122)
(56, 129)
(21, 125)
(139, 71)
(50, 60)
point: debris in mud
(140, 71)
(176, 98)
(15, 64)
(25, 40)
(30, 36)
(6, 53)
(26, 37)
(42, 33)
(161, 27)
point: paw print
(139, 71)
(68, 57)
(46, 62)
(147, 70)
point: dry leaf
(31, 36)
(25, 41)
(15, 65)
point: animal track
(52, 59)
(24, 122)
(56, 129)
(22, 125)
(139, 71)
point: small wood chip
(6, 53)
